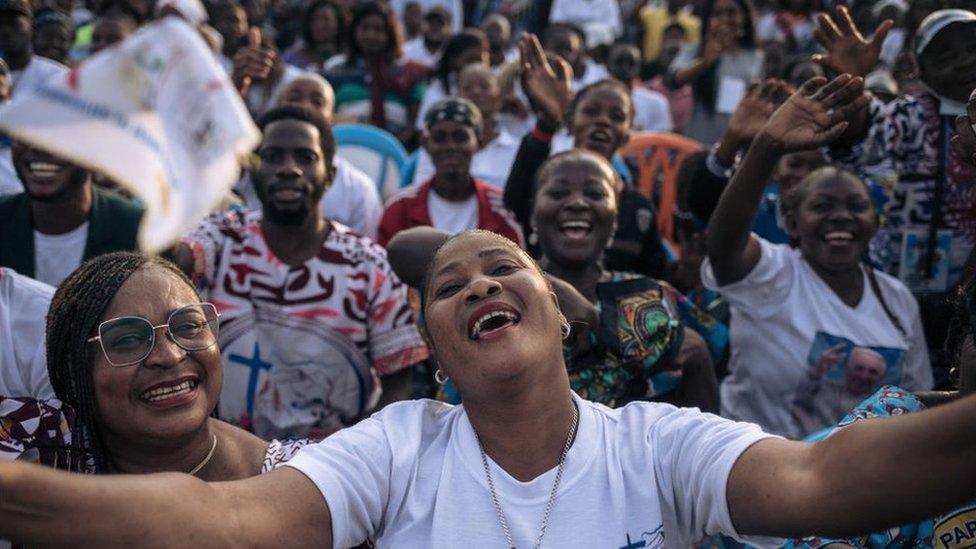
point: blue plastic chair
(374, 151)
(409, 169)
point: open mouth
(287, 194)
(44, 170)
(600, 136)
(575, 229)
(161, 393)
(839, 238)
(491, 323)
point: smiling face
(833, 220)
(575, 210)
(486, 299)
(865, 370)
(451, 146)
(948, 64)
(293, 174)
(129, 400)
(46, 178)
(602, 120)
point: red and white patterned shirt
(302, 346)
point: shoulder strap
(873, 280)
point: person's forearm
(43, 507)
(731, 224)
(880, 473)
(691, 73)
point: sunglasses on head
(129, 340)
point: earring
(564, 327)
(440, 377)
(533, 239)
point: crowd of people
(513, 347)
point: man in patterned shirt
(314, 323)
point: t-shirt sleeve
(352, 470)
(694, 456)
(394, 340)
(765, 288)
(207, 242)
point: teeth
(168, 392)
(839, 235)
(585, 225)
(44, 168)
(476, 331)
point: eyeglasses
(129, 340)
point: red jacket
(408, 209)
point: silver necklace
(552, 496)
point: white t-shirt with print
(58, 255)
(412, 476)
(453, 217)
(23, 310)
(491, 164)
(778, 310)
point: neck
(64, 214)
(453, 187)
(296, 244)
(523, 428)
(848, 284)
(583, 277)
(18, 61)
(157, 456)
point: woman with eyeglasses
(132, 354)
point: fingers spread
(832, 87)
(811, 86)
(845, 23)
(881, 34)
(829, 30)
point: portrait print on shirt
(840, 374)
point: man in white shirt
(454, 7)
(23, 362)
(24, 70)
(426, 48)
(652, 112)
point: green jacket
(112, 226)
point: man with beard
(452, 200)
(61, 219)
(315, 325)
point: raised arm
(718, 38)
(810, 118)
(44, 507)
(866, 477)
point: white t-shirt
(453, 217)
(351, 200)
(416, 50)
(582, 12)
(594, 73)
(652, 112)
(23, 363)
(784, 316)
(412, 476)
(9, 182)
(455, 7)
(491, 164)
(58, 255)
(37, 70)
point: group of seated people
(820, 273)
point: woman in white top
(814, 331)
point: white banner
(156, 114)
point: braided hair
(76, 310)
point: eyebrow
(454, 265)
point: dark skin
(948, 64)
(109, 31)
(721, 37)
(15, 40)
(814, 116)
(451, 146)
(567, 44)
(964, 141)
(53, 41)
(61, 193)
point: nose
(288, 169)
(481, 288)
(577, 203)
(166, 353)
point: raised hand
(719, 39)
(847, 50)
(549, 87)
(964, 142)
(251, 62)
(816, 115)
(760, 102)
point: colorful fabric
(302, 346)
(907, 154)
(409, 209)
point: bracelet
(542, 135)
(715, 166)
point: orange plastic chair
(658, 156)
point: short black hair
(302, 114)
(394, 35)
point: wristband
(715, 166)
(542, 135)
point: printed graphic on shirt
(647, 540)
(956, 530)
(840, 370)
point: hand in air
(816, 115)
(760, 102)
(251, 62)
(964, 142)
(847, 50)
(549, 87)
(719, 39)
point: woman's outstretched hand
(549, 87)
(847, 50)
(816, 115)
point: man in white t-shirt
(652, 112)
(23, 362)
(426, 48)
(61, 218)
